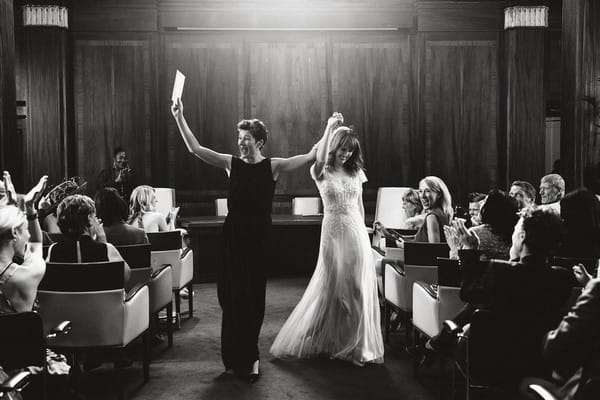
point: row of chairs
(107, 314)
(422, 286)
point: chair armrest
(392, 263)
(157, 272)
(451, 326)
(377, 249)
(428, 288)
(184, 253)
(540, 389)
(134, 290)
(14, 382)
(61, 329)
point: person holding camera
(119, 176)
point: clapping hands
(459, 237)
(177, 108)
(30, 200)
(582, 275)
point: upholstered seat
(160, 281)
(306, 206)
(433, 304)
(398, 277)
(93, 298)
(166, 249)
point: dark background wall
(423, 83)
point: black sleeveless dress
(245, 255)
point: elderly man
(523, 192)
(552, 189)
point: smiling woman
(246, 238)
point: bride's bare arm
(323, 146)
(207, 155)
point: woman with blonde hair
(142, 210)
(437, 205)
(20, 238)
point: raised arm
(204, 153)
(281, 165)
(323, 145)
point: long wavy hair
(140, 202)
(444, 199)
(346, 136)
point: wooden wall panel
(580, 110)
(213, 101)
(525, 129)
(42, 84)
(288, 92)
(114, 106)
(459, 113)
(446, 16)
(11, 144)
(370, 77)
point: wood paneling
(458, 121)
(288, 91)
(525, 113)
(11, 143)
(113, 15)
(114, 104)
(580, 113)
(213, 103)
(41, 82)
(444, 16)
(370, 77)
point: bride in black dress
(241, 280)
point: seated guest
(83, 239)
(413, 208)
(112, 211)
(142, 210)
(572, 348)
(580, 211)
(119, 176)
(20, 238)
(437, 207)
(526, 292)
(475, 202)
(552, 189)
(523, 192)
(499, 217)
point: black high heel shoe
(254, 376)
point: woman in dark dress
(246, 236)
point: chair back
(22, 341)
(166, 249)
(448, 272)
(91, 296)
(56, 237)
(423, 253)
(138, 258)
(306, 206)
(165, 200)
(221, 209)
(388, 208)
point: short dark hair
(110, 206)
(475, 197)
(500, 211)
(543, 229)
(118, 150)
(73, 213)
(527, 188)
(256, 127)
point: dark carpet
(192, 368)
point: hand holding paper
(178, 87)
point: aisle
(192, 368)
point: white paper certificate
(178, 86)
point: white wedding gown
(338, 315)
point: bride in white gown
(338, 315)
